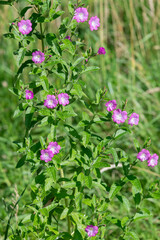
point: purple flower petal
(94, 23)
(134, 119)
(81, 14)
(143, 155)
(38, 57)
(101, 51)
(29, 94)
(25, 26)
(54, 147)
(63, 99)
(111, 105)
(119, 116)
(46, 155)
(153, 160)
(91, 230)
(51, 101)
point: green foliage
(70, 192)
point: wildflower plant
(70, 198)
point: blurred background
(130, 70)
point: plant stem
(66, 203)
(41, 30)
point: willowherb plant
(70, 198)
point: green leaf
(28, 117)
(144, 214)
(78, 60)
(137, 145)
(44, 112)
(69, 185)
(120, 133)
(67, 113)
(53, 14)
(21, 162)
(136, 185)
(88, 181)
(42, 141)
(48, 184)
(155, 195)
(98, 185)
(132, 234)
(114, 190)
(126, 203)
(45, 82)
(124, 221)
(52, 41)
(114, 154)
(100, 164)
(24, 10)
(77, 90)
(90, 69)
(85, 138)
(5, 2)
(68, 45)
(64, 213)
(51, 172)
(21, 54)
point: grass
(130, 70)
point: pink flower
(143, 155)
(63, 99)
(25, 26)
(81, 14)
(54, 147)
(94, 23)
(119, 116)
(101, 51)
(51, 101)
(153, 160)
(29, 94)
(68, 37)
(91, 230)
(134, 119)
(46, 155)
(38, 57)
(111, 105)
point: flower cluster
(144, 155)
(91, 230)
(52, 149)
(81, 15)
(51, 101)
(120, 116)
